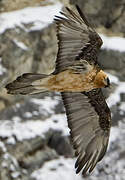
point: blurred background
(34, 137)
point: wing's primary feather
(89, 120)
(76, 39)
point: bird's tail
(28, 83)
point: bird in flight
(79, 78)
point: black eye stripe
(108, 81)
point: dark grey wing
(76, 39)
(89, 121)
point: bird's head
(102, 80)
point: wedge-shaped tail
(28, 83)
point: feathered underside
(87, 112)
(76, 39)
(89, 121)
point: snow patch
(114, 134)
(2, 146)
(113, 43)
(31, 129)
(20, 45)
(40, 17)
(58, 169)
(28, 114)
(11, 140)
(15, 174)
(46, 105)
(2, 69)
(115, 96)
(122, 106)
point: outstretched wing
(76, 39)
(89, 120)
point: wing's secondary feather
(86, 112)
(76, 39)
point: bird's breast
(69, 81)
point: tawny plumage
(69, 80)
(79, 79)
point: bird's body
(79, 79)
(71, 81)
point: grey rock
(113, 60)
(110, 59)
(122, 96)
(18, 160)
(61, 144)
(110, 14)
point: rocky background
(34, 138)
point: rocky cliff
(34, 137)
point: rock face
(16, 4)
(109, 14)
(33, 129)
